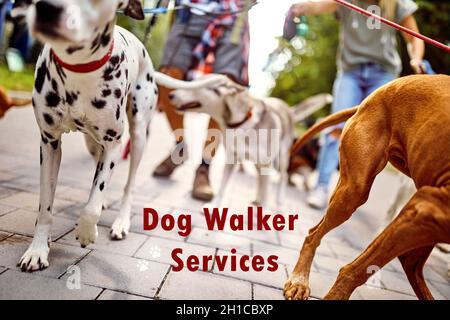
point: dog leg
(94, 149)
(92, 146)
(420, 225)
(36, 257)
(121, 225)
(227, 173)
(86, 230)
(284, 179)
(263, 185)
(413, 263)
(359, 167)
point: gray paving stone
(16, 285)
(160, 250)
(4, 235)
(295, 242)
(320, 284)
(121, 273)
(395, 281)
(220, 240)
(30, 201)
(115, 295)
(23, 222)
(6, 176)
(344, 252)
(285, 255)
(61, 256)
(328, 265)
(104, 243)
(205, 286)
(266, 293)
(72, 194)
(367, 293)
(437, 273)
(443, 289)
(274, 279)
(5, 192)
(4, 209)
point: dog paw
(86, 231)
(120, 229)
(34, 259)
(296, 288)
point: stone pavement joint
(141, 266)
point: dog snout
(47, 12)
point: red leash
(394, 25)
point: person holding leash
(201, 43)
(368, 58)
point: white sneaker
(318, 198)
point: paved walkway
(139, 268)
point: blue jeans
(4, 9)
(350, 89)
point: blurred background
(290, 70)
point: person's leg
(376, 77)
(168, 165)
(202, 189)
(229, 62)
(347, 94)
(177, 59)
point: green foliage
(433, 19)
(312, 70)
(156, 42)
(20, 81)
(24, 80)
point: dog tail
(309, 106)
(20, 102)
(7, 102)
(326, 123)
(171, 83)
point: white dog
(255, 130)
(90, 77)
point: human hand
(417, 66)
(301, 8)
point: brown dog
(407, 123)
(7, 103)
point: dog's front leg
(36, 257)
(86, 230)
(263, 185)
(227, 173)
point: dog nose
(171, 96)
(47, 12)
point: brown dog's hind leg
(423, 222)
(362, 158)
(412, 263)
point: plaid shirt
(204, 52)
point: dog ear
(134, 10)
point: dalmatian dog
(91, 77)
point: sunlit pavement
(140, 266)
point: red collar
(85, 67)
(237, 125)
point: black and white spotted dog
(90, 77)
